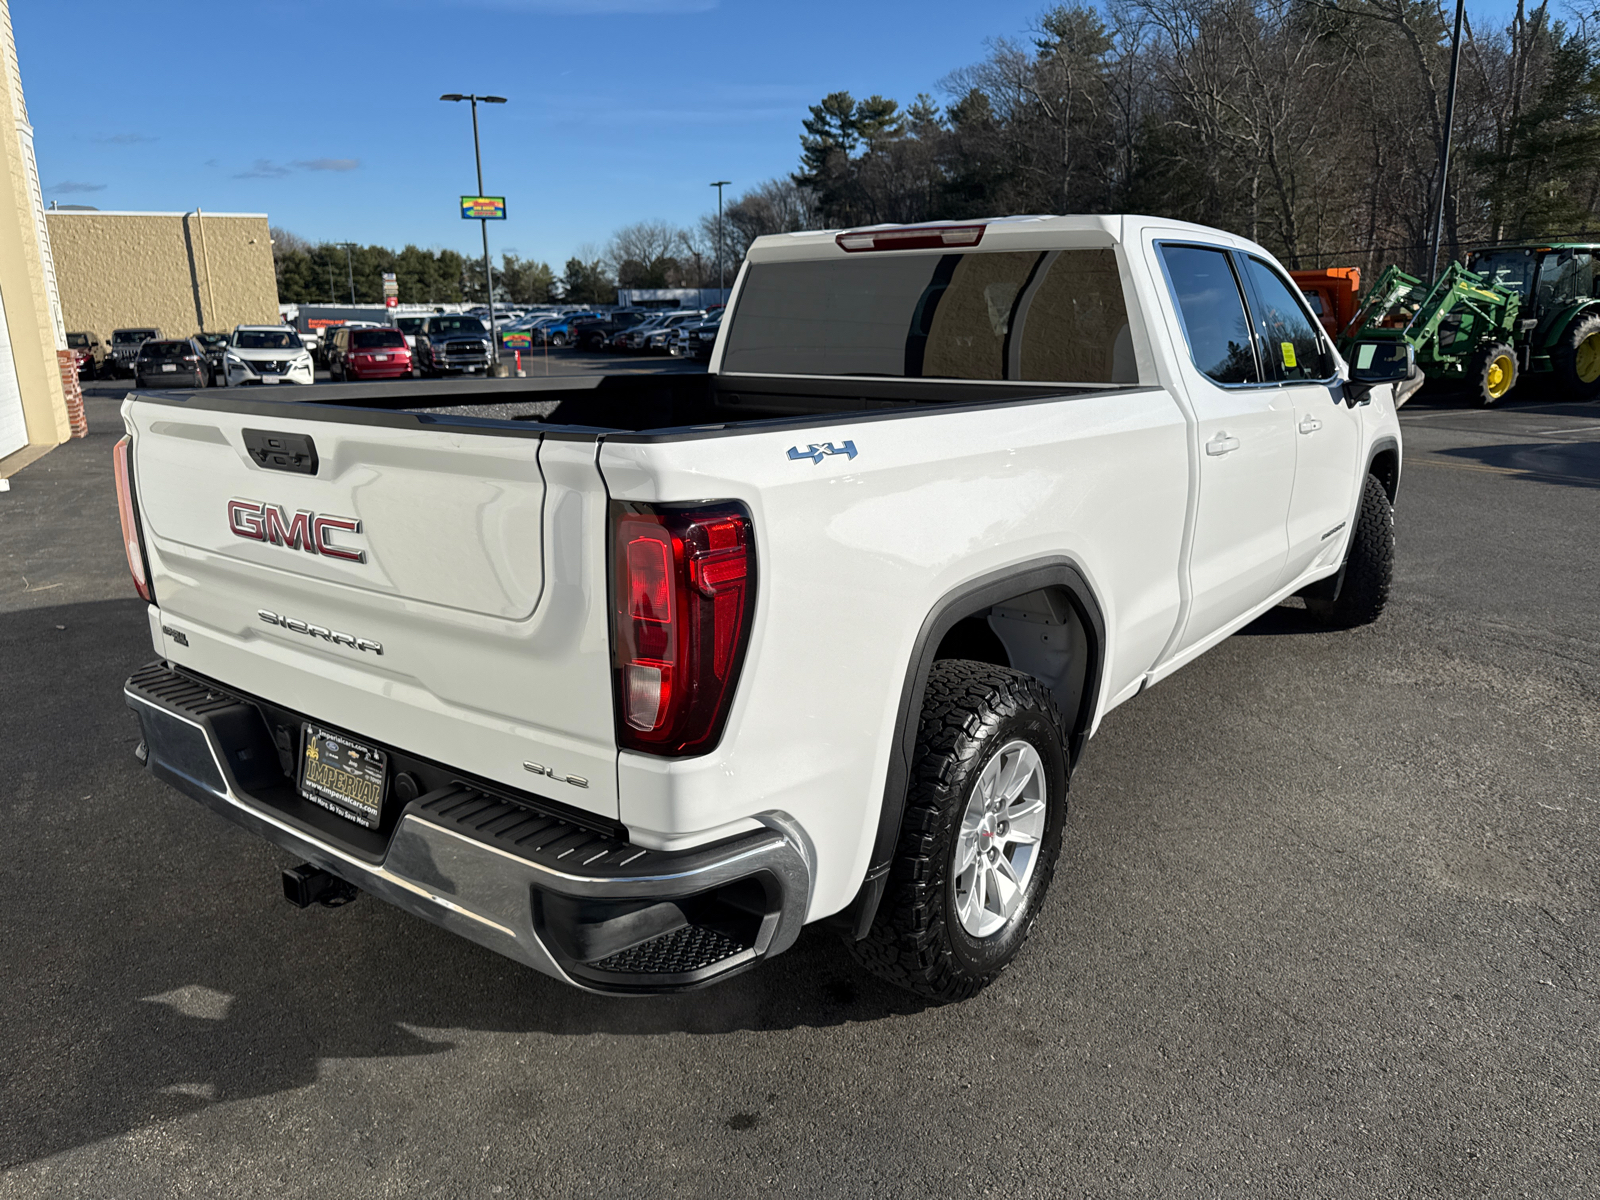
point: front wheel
(1361, 589)
(1492, 373)
(558, 340)
(981, 834)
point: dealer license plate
(342, 775)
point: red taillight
(683, 579)
(910, 237)
(132, 545)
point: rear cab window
(1054, 316)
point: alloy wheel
(998, 844)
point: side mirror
(1374, 363)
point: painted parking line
(1515, 472)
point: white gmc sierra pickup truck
(630, 677)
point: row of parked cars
(432, 345)
(688, 333)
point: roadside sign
(483, 208)
(391, 285)
(391, 301)
(520, 340)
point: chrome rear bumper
(583, 907)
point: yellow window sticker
(1287, 349)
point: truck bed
(688, 404)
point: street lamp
(719, 185)
(349, 270)
(488, 269)
(1444, 150)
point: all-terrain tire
(1362, 589)
(970, 712)
(1576, 359)
(1492, 373)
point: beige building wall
(27, 303)
(184, 273)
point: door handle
(1222, 444)
(1310, 425)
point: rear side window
(1212, 311)
(376, 339)
(1034, 316)
(1292, 344)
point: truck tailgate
(439, 590)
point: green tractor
(1558, 327)
(1511, 310)
(1462, 328)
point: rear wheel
(1493, 373)
(558, 340)
(981, 834)
(1576, 359)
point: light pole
(719, 185)
(488, 269)
(349, 270)
(1444, 153)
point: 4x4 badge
(817, 451)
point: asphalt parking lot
(1327, 924)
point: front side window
(1054, 316)
(77, 341)
(1212, 311)
(1292, 346)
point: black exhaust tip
(306, 885)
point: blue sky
(325, 115)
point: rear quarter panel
(853, 555)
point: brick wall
(74, 393)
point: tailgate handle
(294, 452)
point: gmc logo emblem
(304, 530)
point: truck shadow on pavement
(1564, 464)
(153, 967)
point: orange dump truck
(1333, 294)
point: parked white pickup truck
(634, 682)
